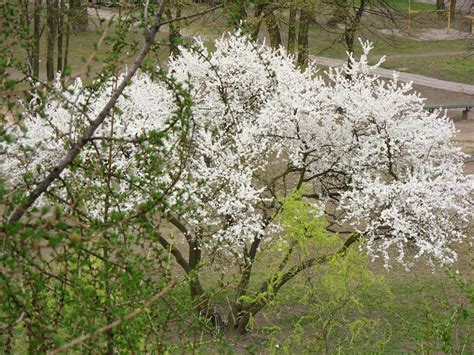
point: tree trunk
(452, 9)
(238, 316)
(61, 29)
(291, 45)
(258, 18)
(352, 25)
(303, 44)
(36, 37)
(66, 49)
(440, 9)
(272, 26)
(51, 37)
(24, 21)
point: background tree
(52, 29)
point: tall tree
(291, 45)
(440, 8)
(452, 9)
(61, 30)
(51, 12)
(352, 22)
(303, 40)
(272, 25)
(36, 36)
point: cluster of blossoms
(374, 159)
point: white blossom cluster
(48, 136)
(365, 146)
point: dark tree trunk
(51, 37)
(36, 37)
(292, 29)
(238, 319)
(452, 9)
(258, 16)
(272, 26)
(303, 43)
(25, 24)
(440, 8)
(66, 49)
(272, 286)
(61, 13)
(352, 25)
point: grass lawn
(407, 55)
(331, 45)
(414, 5)
(453, 68)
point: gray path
(415, 78)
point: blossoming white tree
(378, 167)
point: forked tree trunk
(340, 12)
(352, 25)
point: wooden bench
(465, 112)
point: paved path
(415, 78)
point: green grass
(331, 44)
(415, 6)
(405, 54)
(459, 68)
